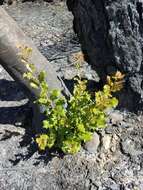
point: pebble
(92, 145)
(109, 129)
(128, 147)
(116, 118)
(1, 69)
(106, 141)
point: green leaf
(33, 85)
(44, 86)
(68, 123)
(114, 102)
(42, 141)
(60, 101)
(71, 146)
(42, 76)
(42, 101)
(80, 127)
(101, 121)
(86, 136)
(51, 140)
(28, 75)
(107, 90)
(32, 67)
(54, 94)
(46, 124)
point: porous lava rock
(111, 35)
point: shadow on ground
(10, 91)
(20, 116)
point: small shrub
(69, 123)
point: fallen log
(11, 36)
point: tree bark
(111, 35)
(10, 37)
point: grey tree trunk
(10, 37)
(111, 34)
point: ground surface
(118, 163)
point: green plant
(69, 123)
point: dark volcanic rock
(111, 32)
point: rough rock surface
(111, 34)
(115, 166)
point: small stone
(109, 129)
(43, 44)
(11, 129)
(106, 141)
(50, 43)
(128, 147)
(49, 36)
(113, 149)
(115, 187)
(93, 187)
(116, 118)
(87, 183)
(92, 145)
(1, 69)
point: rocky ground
(115, 163)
